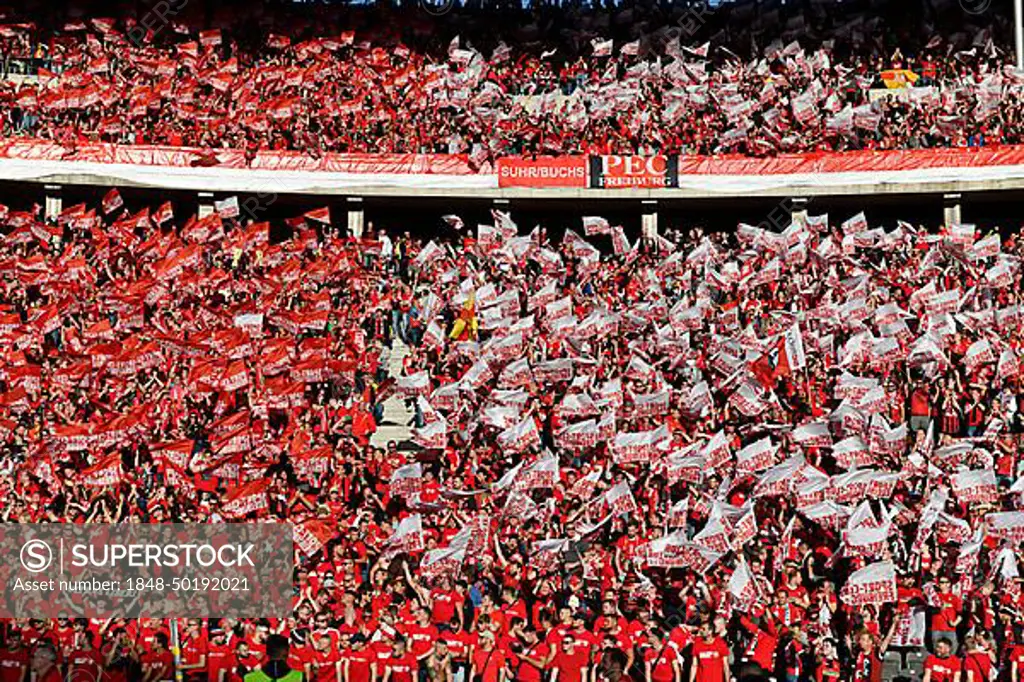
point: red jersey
(979, 664)
(403, 669)
(528, 672)
(421, 639)
(323, 665)
(13, 664)
(219, 658)
(827, 671)
(711, 659)
(193, 648)
(943, 669)
(51, 675)
(868, 667)
(162, 662)
(443, 604)
(942, 620)
(84, 665)
(660, 660)
(570, 666)
(359, 665)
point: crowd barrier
(232, 170)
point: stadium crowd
(747, 454)
(649, 78)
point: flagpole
(176, 650)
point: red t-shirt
(51, 675)
(661, 659)
(943, 669)
(359, 665)
(403, 669)
(868, 667)
(13, 664)
(942, 620)
(421, 639)
(219, 658)
(162, 661)
(710, 659)
(193, 648)
(527, 672)
(443, 605)
(489, 664)
(85, 665)
(979, 664)
(323, 665)
(570, 666)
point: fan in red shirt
(194, 646)
(85, 661)
(868, 664)
(941, 666)
(977, 660)
(13, 658)
(947, 617)
(764, 639)
(488, 660)
(357, 660)
(324, 662)
(661, 663)
(158, 664)
(572, 661)
(710, 657)
(220, 657)
(402, 666)
(445, 603)
(531, 658)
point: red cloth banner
(545, 171)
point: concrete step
(395, 426)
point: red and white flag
(408, 536)
(546, 555)
(541, 474)
(105, 472)
(873, 584)
(520, 436)
(973, 487)
(596, 225)
(433, 436)
(602, 48)
(245, 499)
(112, 201)
(619, 499)
(757, 456)
(743, 588)
(320, 215)
(445, 562)
(642, 446)
(311, 536)
(406, 480)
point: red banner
(546, 171)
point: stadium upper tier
(637, 81)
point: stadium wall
(848, 173)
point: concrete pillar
(54, 203)
(951, 209)
(798, 210)
(649, 221)
(205, 204)
(355, 217)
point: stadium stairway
(397, 416)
